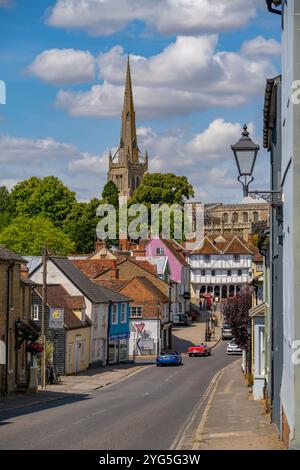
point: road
(155, 408)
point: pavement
(232, 419)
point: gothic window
(245, 217)
(235, 217)
(137, 182)
(128, 116)
(225, 218)
(255, 217)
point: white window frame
(114, 314)
(207, 258)
(236, 258)
(160, 251)
(136, 315)
(36, 314)
(123, 313)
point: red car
(200, 350)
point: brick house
(17, 366)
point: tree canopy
(158, 188)
(81, 223)
(110, 194)
(27, 236)
(47, 197)
(236, 312)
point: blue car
(169, 358)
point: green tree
(110, 194)
(81, 225)
(4, 204)
(158, 188)
(4, 198)
(47, 197)
(27, 236)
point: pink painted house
(178, 266)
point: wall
(290, 178)
(83, 335)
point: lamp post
(245, 153)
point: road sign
(56, 318)
(140, 327)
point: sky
(198, 67)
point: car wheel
(190, 355)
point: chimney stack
(114, 271)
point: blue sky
(198, 70)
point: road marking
(180, 438)
(200, 429)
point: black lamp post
(245, 153)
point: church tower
(127, 167)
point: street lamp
(245, 153)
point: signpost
(56, 318)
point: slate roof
(7, 255)
(95, 293)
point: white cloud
(89, 164)
(188, 75)
(62, 66)
(261, 47)
(18, 150)
(105, 17)
(215, 140)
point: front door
(77, 353)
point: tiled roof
(237, 246)
(93, 268)
(113, 284)
(176, 250)
(94, 292)
(7, 255)
(146, 265)
(58, 297)
(208, 248)
(150, 287)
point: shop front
(118, 349)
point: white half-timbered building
(221, 266)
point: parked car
(233, 348)
(184, 319)
(169, 358)
(226, 331)
(200, 350)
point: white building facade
(220, 267)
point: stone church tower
(127, 167)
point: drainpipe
(108, 331)
(11, 264)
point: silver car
(233, 348)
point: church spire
(128, 142)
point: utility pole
(44, 304)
